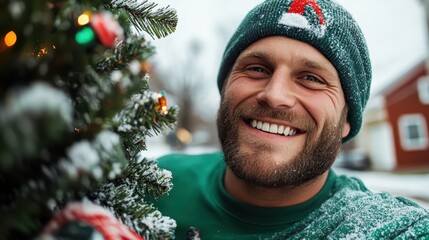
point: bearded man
(294, 81)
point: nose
(278, 92)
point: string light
(162, 103)
(42, 52)
(10, 39)
(184, 135)
(84, 18)
(101, 26)
(85, 36)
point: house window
(423, 89)
(413, 132)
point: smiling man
(281, 121)
(294, 80)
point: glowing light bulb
(10, 39)
(184, 135)
(85, 36)
(161, 105)
(42, 52)
(83, 19)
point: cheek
(238, 91)
(321, 108)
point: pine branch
(58, 140)
(140, 116)
(134, 47)
(158, 23)
(122, 198)
(151, 179)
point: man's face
(282, 114)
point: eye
(256, 71)
(312, 81)
(313, 78)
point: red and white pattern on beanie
(294, 17)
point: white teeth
(254, 123)
(286, 131)
(280, 129)
(273, 128)
(266, 127)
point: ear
(346, 129)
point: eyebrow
(254, 54)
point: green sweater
(343, 209)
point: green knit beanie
(325, 25)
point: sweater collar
(268, 215)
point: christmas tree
(75, 111)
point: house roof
(402, 79)
(377, 100)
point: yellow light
(184, 135)
(42, 52)
(83, 19)
(10, 38)
(164, 110)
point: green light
(85, 35)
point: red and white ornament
(106, 28)
(97, 217)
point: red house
(395, 130)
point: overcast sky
(395, 31)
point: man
(294, 81)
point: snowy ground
(413, 186)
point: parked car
(353, 159)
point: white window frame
(407, 143)
(423, 89)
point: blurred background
(392, 151)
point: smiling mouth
(274, 128)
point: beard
(256, 167)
